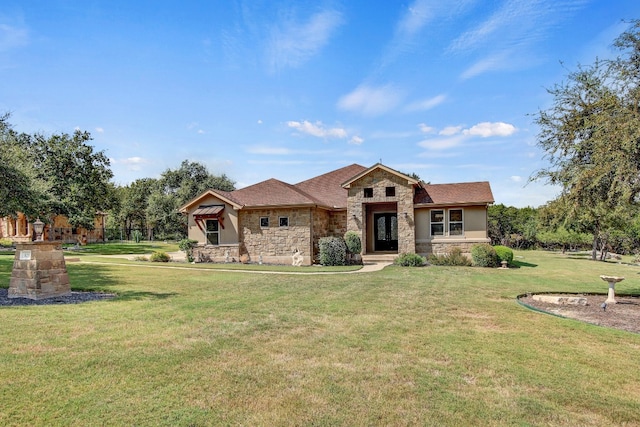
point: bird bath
(611, 280)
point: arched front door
(385, 231)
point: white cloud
(450, 130)
(426, 129)
(356, 140)
(371, 101)
(487, 129)
(317, 129)
(442, 143)
(492, 62)
(426, 104)
(509, 31)
(454, 136)
(293, 43)
(259, 122)
(132, 163)
(515, 178)
(415, 18)
(99, 130)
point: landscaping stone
(560, 300)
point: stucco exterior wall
(228, 234)
(475, 230)
(379, 180)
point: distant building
(19, 229)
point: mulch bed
(73, 298)
(624, 315)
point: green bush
(454, 257)
(504, 254)
(6, 243)
(483, 255)
(353, 242)
(409, 260)
(333, 251)
(186, 246)
(160, 256)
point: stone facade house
(392, 212)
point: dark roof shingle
(452, 194)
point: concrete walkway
(178, 257)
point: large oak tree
(591, 135)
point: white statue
(297, 258)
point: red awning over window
(209, 212)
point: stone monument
(39, 270)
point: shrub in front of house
(333, 251)
(186, 246)
(160, 256)
(353, 242)
(484, 255)
(504, 254)
(6, 243)
(409, 260)
(454, 257)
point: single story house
(392, 212)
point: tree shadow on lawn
(519, 264)
(88, 278)
(98, 278)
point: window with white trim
(264, 222)
(449, 222)
(437, 222)
(456, 223)
(284, 221)
(212, 232)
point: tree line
(44, 176)
(546, 228)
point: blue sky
(292, 89)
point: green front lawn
(403, 346)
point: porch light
(406, 215)
(353, 216)
(38, 227)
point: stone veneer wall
(379, 179)
(442, 247)
(220, 253)
(276, 244)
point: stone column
(39, 271)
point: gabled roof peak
(410, 180)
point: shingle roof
(460, 193)
(327, 188)
(327, 191)
(272, 192)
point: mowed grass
(403, 346)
